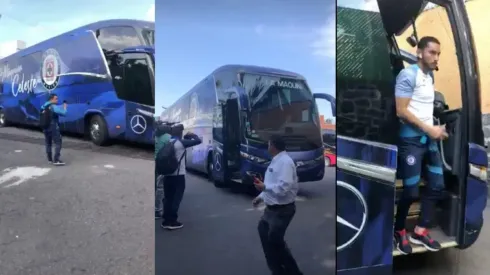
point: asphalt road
(220, 232)
(92, 216)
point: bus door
(457, 107)
(226, 140)
(133, 78)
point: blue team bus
(104, 71)
(236, 109)
(369, 56)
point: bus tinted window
(149, 36)
(118, 38)
(131, 77)
(365, 79)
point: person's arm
(190, 140)
(285, 181)
(404, 88)
(58, 110)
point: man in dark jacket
(52, 133)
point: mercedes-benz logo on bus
(217, 165)
(138, 124)
(356, 228)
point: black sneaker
(172, 225)
(401, 242)
(58, 163)
(426, 240)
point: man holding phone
(278, 191)
(50, 114)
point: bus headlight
(253, 158)
(479, 172)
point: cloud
(259, 29)
(324, 44)
(35, 33)
(150, 14)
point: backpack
(166, 161)
(45, 118)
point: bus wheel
(3, 121)
(210, 168)
(98, 130)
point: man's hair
(278, 142)
(52, 96)
(162, 129)
(424, 42)
(177, 130)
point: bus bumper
(309, 172)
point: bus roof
(92, 26)
(256, 70)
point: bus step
(414, 210)
(437, 234)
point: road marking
(18, 151)
(109, 166)
(21, 174)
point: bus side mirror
(329, 98)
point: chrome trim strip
(366, 169)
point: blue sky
(194, 38)
(35, 21)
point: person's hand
(65, 105)
(257, 201)
(259, 185)
(437, 132)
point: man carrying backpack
(162, 137)
(171, 164)
(49, 122)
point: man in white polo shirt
(414, 92)
(279, 191)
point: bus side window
(131, 78)
(137, 80)
(118, 38)
(365, 79)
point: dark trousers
(173, 189)
(412, 153)
(52, 134)
(272, 228)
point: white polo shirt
(281, 181)
(417, 85)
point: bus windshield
(280, 105)
(149, 36)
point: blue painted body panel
(380, 198)
(84, 83)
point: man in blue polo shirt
(414, 92)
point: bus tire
(97, 130)
(3, 120)
(209, 167)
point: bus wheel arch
(96, 129)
